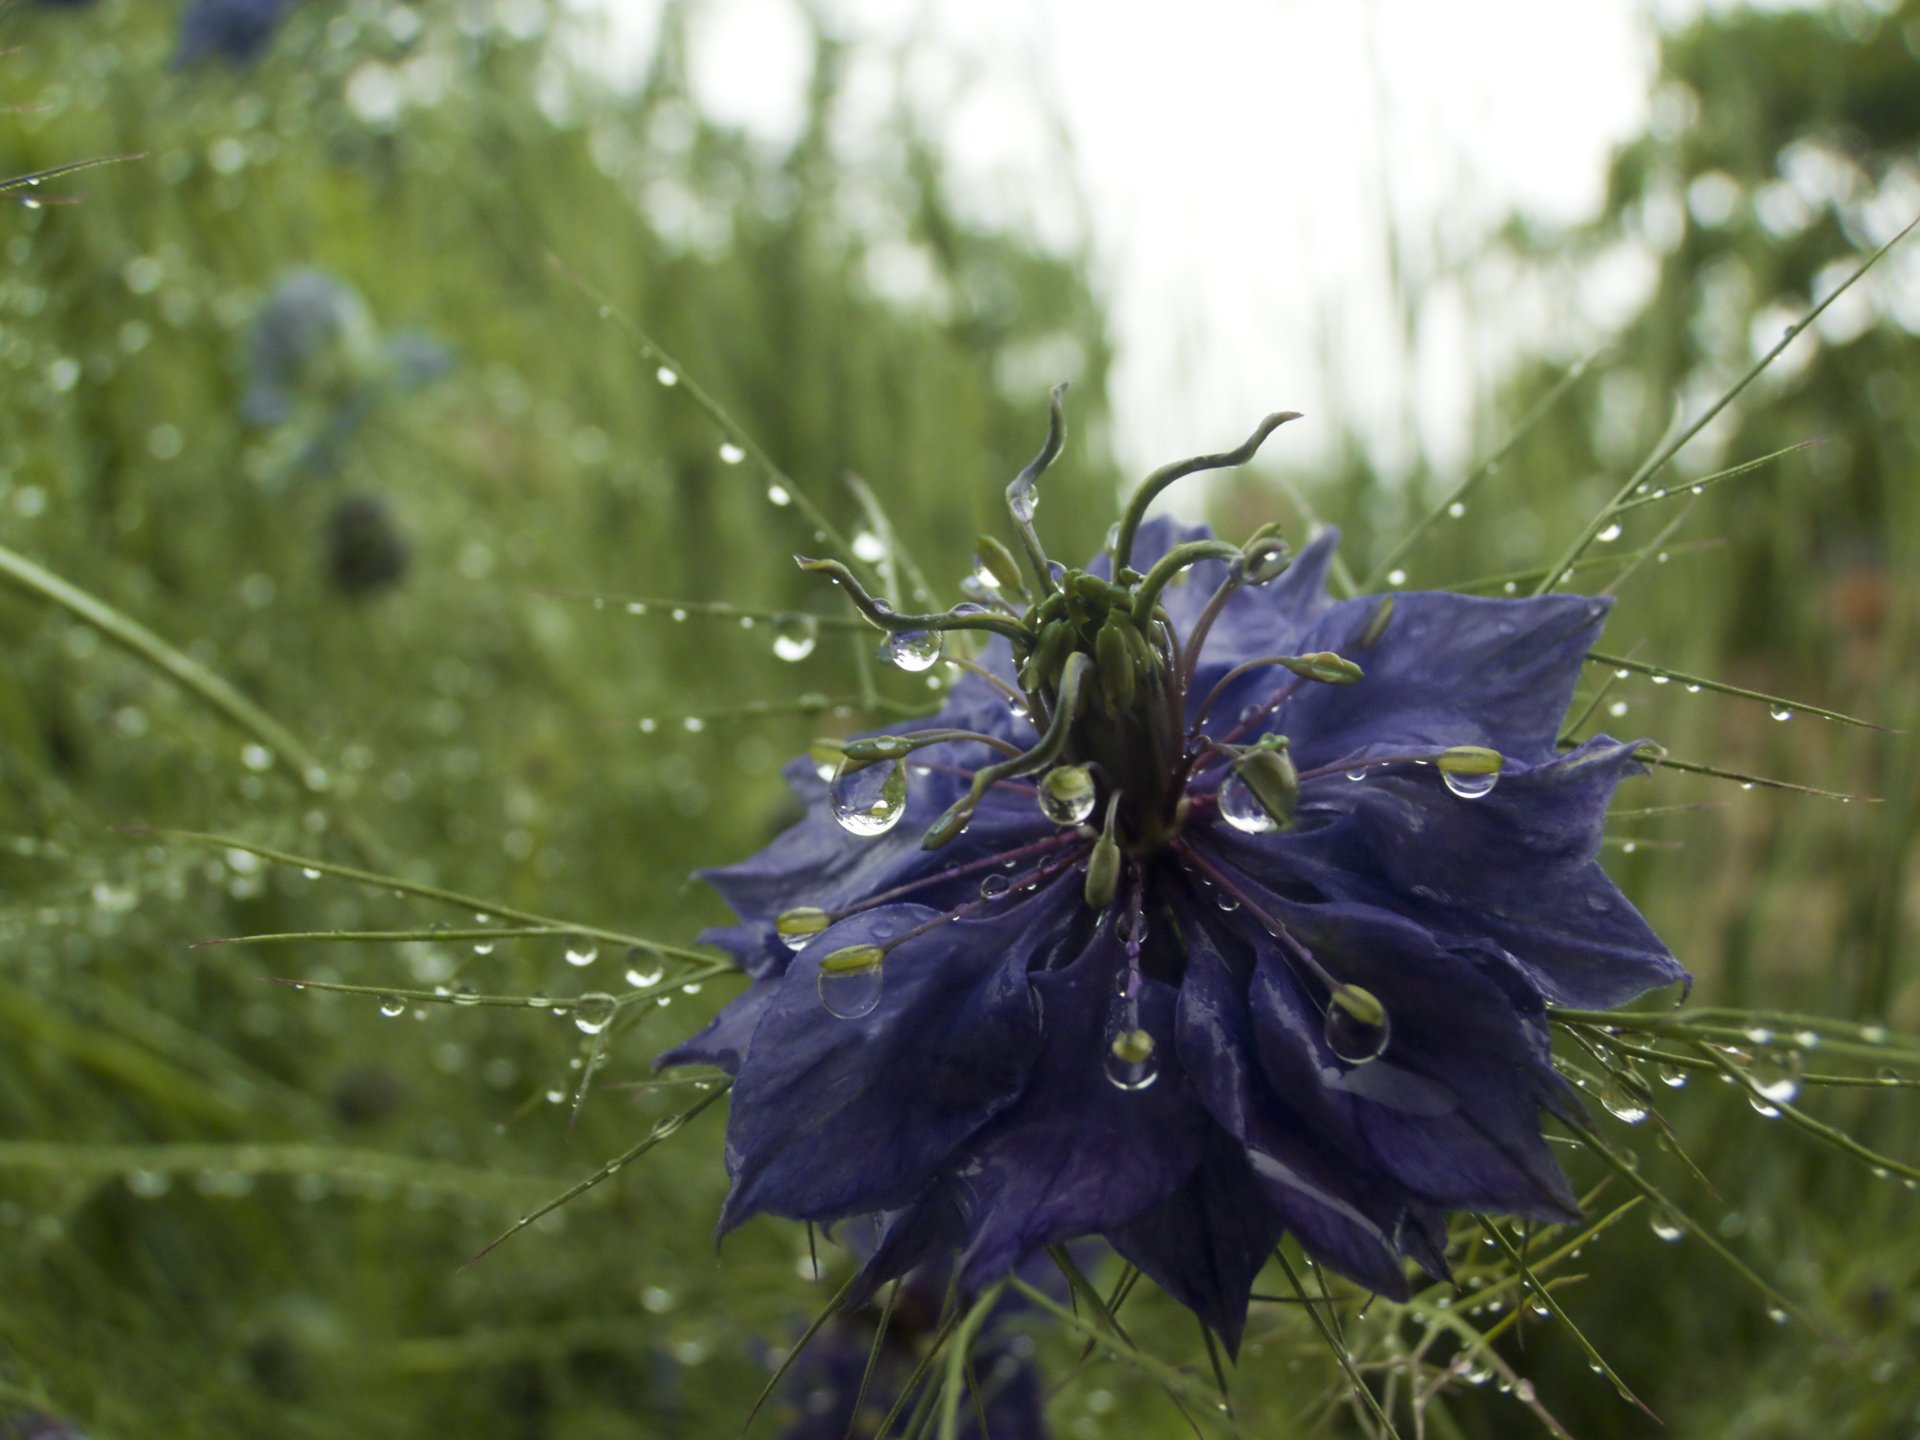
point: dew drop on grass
(666, 376)
(1610, 534)
(1780, 712)
(582, 952)
(1665, 1227)
(392, 1006)
(794, 636)
(730, 453)
(777, 495)
(592, 1012)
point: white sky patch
(1245, 169)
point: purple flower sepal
(1228, 950)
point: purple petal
(833, 1117)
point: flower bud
(1324, 666)
(1103, 872)
(995, 560)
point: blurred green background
(227, 1208)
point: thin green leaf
(1707, 482)
(1327, 1333)
(1721, 687)
(827, 1312)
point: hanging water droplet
(666, 377)
(592, 1012)
(730, 453)
(1356, 775)
(1776, 1315)
(1623, 1101)
(1396, 577)
(1673, 1077)
(777, 495)
(994, 886)
(1066, 794)
(1130, 1062)
(1610, 534)
(1357, 1028)
(582, 952)
(1023, 498)
(1470, 787)
(1780, 712)
(1617, 709)
(307, 872)
(851, 980)
(392, 1006)
(641, 974)
(914, 650)
(868, 547)
(1762, 1108)
(483, 947)
(1665, 1226)
(1456, 510)
(1693, 689)
(693, 724)
(1661, 679)
(794, 636)
(1242, 810)
(1777, 1083)
(868, 799)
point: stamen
(1163, 477)
(892, 621)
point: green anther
(1133, 1047)
(805, 921)
(1362, 1004)
(853, 960)
(1119, 677)
(1103, 872)
(1268, 771)
(1377, 626)
(1469, 760)
(997, 560)
(1324, 666)
(1056, 640)
(879, 747)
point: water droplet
(868, 799)
(730, 453)
(851, 988)
(640, 975)
(1617, 709)
(1023, 498)
(994, 886)
(1470, 787)
(1761, 1108)
(1396, 577)
(1066, 794)
(1623, 1101)
(777, 495)
(666, 376)
(1456, 510)
(693, 724)
(483, 947)
(914, 650)
(256, 757)
(1241, 810)
(582, 952)
(1357, 775)
(1673, 1077)
(1780, 712)
(1777, 1084)
(794, 636)
(593, 1011)
(1610, 534)
(1130, 1062)
(1661, 679)
(1353, 1038)
(392, 1006)
(1776, 1315)
(1693, 689)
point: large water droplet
(1470, 787)
(392, 1006)
(1665, 1227)
(1610, 534)
(1241, 810)
(777, 495)
(794, 636)
(1130, 1062)
(914, 650)
(868, 799)
(1066, 794)
(1623, 1101)
(666, 376)
(643, 970)
(850, 982)
(1780, 712)
(592, 1012)
(730, 453)
(1023, 498)
(582, 952)
(1353, 1038)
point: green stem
(1035, 553)
(1170, 565)
(892, 621)
(1160, 479)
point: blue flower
(850, 1376)
(237, 31)
(1211, 907)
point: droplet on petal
(868, 799)
(797, 927)
(1130, 1062)
(1357, 1028)
(1067, 794)
(850, 981)
(1240, 809)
